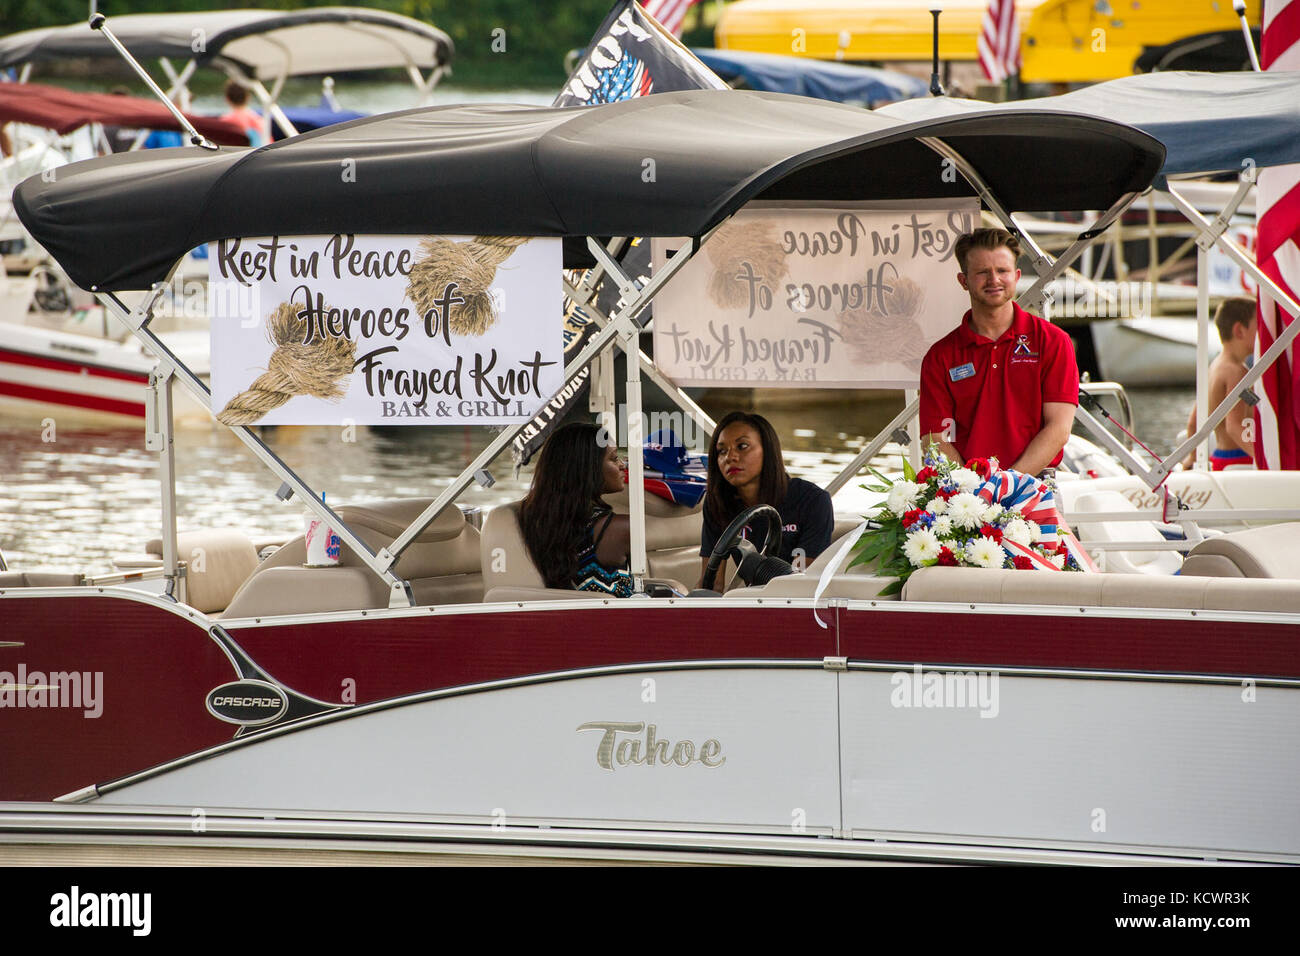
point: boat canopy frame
(168, 37)
(816, 156)
(1211, 123)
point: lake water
(74, 501)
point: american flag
(1278, 255)
(999, 42)
(670, 13)
(626, 81)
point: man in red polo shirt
(1004, 383)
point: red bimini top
(65, 110)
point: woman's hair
(567, 482)
(722, 501)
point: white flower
(902, 496)
(1018, 530)
(937, 506)
(984, 552)
(921, 546)
(1035, 532)
(991, 512)
(966, 479)
(1058, 560)
(942, 526)
(966, 510)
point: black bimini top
(672, 164)
(261, 43)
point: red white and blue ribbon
(1027, 495)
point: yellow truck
(1061, 41)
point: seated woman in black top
(575, 539)
(746, 469)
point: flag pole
(936, 88)
(1239, 7)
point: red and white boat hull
(47, 372)
(1114, 731)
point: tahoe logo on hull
(247, 702)
(648, 749)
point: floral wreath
(977, 516)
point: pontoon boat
(430, 688)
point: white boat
(430, 685)
(96, 380)
(58, 354)
(1152, 351)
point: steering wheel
(730, 538)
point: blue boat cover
(307, 118)
(840, 82)
(1208, 122)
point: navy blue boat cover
(800, 76)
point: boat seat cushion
(1272, 551)
(290, 589)
(218, 561)
(849, 585)
(1127, 562)
(40, 579)
(504, 556)
(998, 586)
(672, 545)
(509, 593)
(1210, 566)
(441, 564)
(393, 516)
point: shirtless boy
(1236, 321)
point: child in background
(1236, 322)
(237, 97)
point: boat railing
(154, 573)
(1208, 197)
(623, 329)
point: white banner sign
(384, 330)
(782, 296)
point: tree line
(498, 42)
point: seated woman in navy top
(574, 538)
(746, 469)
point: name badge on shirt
(962, 371)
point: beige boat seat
(441, 565)
(217, 562)
(1098, 532)
(1272, 551)
(672, 550)
(1077, 589)
(40, 579)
